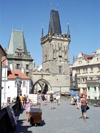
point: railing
(4, 118)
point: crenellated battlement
(50, 36)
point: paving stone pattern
(63, 119)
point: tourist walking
(54, 97)
(21, 101)
(27, 106)
(51, 101)
(83, 103)
(43, 99)
(48, 97)
(77, 102)
(57, 98)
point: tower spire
(68, 32)
(51, 5)
(57, 6)
(42, 31)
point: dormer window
(16, 75)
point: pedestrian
(83, 103)
(57, 98)
(43, 99)
(54, 97)
(27, 106)
(48, 97)
(21, 101)
(51, 101)
(77, 102)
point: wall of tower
(55, 59)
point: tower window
(23, 83)
(17, 66)
(27, 73)
(45, 57)
(27, 66)
(60, 69)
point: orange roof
(70, 72)
(4, 58)
(13, 75)
(87, 57)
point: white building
(9, 83)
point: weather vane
(57, 6)
(51, 5)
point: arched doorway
(44, 85)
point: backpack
(51, 98)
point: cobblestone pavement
(63, 119)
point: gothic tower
(55, 54)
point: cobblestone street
(63, 119)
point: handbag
(87, 107)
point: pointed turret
(54, 22)
(42, 31)
(17, 41)
(68, 32)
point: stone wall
(93, 102)
(4, 118)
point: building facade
(86, 68)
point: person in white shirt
(57, 98)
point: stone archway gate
(41, 78)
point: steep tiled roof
(17, 40)
(13, 75)
(54, 23)
(87, 57)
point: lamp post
(18, 82)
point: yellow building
(87, 68)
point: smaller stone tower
(19, 59)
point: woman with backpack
(51, 101)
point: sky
(28, 15)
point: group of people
(81, 103)
(51, 98)
(26, 103)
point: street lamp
(18, 82)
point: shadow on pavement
(86, 117)
(42, 123)
(20, 128)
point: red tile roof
(4, 58)
(87, 57)
(70, 72)
(13, 75)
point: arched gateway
(45, 86)
(55, 74)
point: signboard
(33, 98)
(11, 116)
